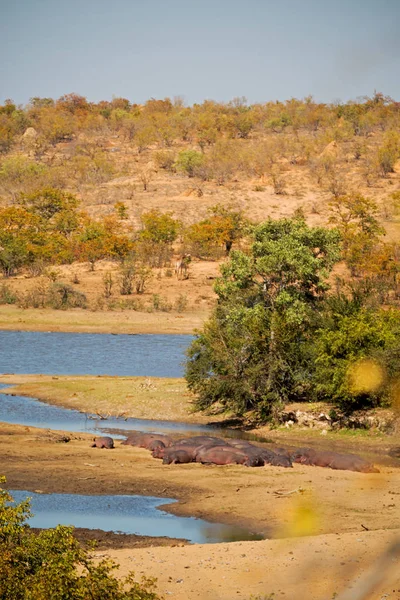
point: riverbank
(335, 508)
(168, 399)
(85, 321)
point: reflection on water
(51, 353)
(126, 514)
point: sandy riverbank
(336, 508)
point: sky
(334, 50)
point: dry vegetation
(128, 165)
(123, 161)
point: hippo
(103, 442)
(156, 443)
(275, 459)
(351, 462)
(221, 455)
(176, 456)
(144, 440)
(304, 456)
(158, 451)
(333, 460)
(200, 440)
(133, 439)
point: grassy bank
(137, 397)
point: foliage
(252, 353)
(357, 340)
(19, 238)
(159, 227)
(7, 296)
(126, 278)
(223, 227)
(48, 203)
(188, 161)
(356, 218)
(52, 564)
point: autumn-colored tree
(223, 227)
(19, 237)
(356, 217)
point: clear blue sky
(199, 49)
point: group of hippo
(213, 450)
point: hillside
(266, 160)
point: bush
(161, 303)
(181, 303)
(53, 565)
(357, 355)
(63, 296)
(188, 161)
(7, 296)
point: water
(29, 352)
(126, 514)
(101, 354)
(21, 410)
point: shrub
(181, 303)
(188, 161)
(36, 297)
(126, 279)
(7, 296)
(160, 303)
(63, 296)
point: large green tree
(254, 351)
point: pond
(30, 352)
(126, 514)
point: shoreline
(112, 322)
(169, 400)
(353, 518)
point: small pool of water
(126, 514)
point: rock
(30, 133)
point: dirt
(348, 517)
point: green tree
(19, 238)
(48, 202)
(158, 227)
(253, 352)
(188, 161)
(52, 564)
(357, 350)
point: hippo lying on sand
(103, 442)
(208, 449)
(333, 460)
(176, 456)
(146, 440)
